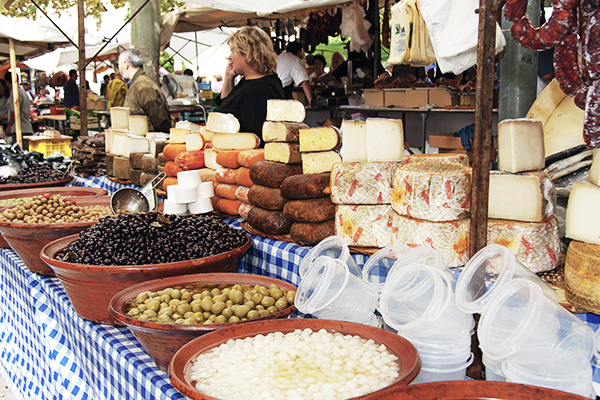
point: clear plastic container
(487, 272)
(438, 372)
(414, 296)
(329, 288)
(522, 324)
(493, 369)
(378, 266)
(334, 247)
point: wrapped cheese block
(520, 145)
(535, 244)
(438, 158)
(364, 225)
(527, 196)
(354, 144)
(582, 276)
(432, 192)
(583, 213)
(363, 183)
(285, 111)
(222, 123)
(449, 238)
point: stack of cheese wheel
(184, 152)
(189, 195)
(522, 198)
(231, 154)
(431, 201)
(361, 186)
(582, 265)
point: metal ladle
(133, 200)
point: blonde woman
(336, 59)
(253, 58)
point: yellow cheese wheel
(582, 276)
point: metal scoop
(133, 200)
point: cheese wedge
(319, 139)
(178, 135)
(194, 141)
(285, 110)
(520, 145)
(222, 123)
(276, 131)
(119, 117)
(583, 213)
(190, 126)
(354, 141)
(210, 159)
(138, 125)
(317, 162)
(385, 139)
(235, 141)
(283, 152)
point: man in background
(71, 90)
(116, 91)
(25, 111)
(291, 71)
(104, 85)
(144, 96)
(188, 72)
(27, 88)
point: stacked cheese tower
(189, 195)
(431, 201)
(361, 186)
(522, 198)
(281, 160)
(230, 157)
(582, 265)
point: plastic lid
(333, 247)
(321, 285)
(423, 255)
(378, 266)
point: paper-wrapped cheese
(438, 158)
(535, 244)
(385, 139)
(449, 238)
(354, 142)
(583, 213)
(432, 192)
(365, 226)
(222, 123)
(527, 196)
(363, 183)
(520, 145)
(285, 111)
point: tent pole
(81, 66)
(15, 91)
(197, 66)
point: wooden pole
(81, 66)
(15, 91)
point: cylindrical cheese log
(266, 197)
(225, 175)
(242, 177)
(242, 194)
(189, 178)
(172, 169)
(271, 222)
(308, 233)
(226, 191)
(172, 207)
(245, 209)
(432, 192)
(309, 210)
(168, 181)
(200, 206)
(272, 174)
(190, 159)
(205, 189)
(227, 206)
(247, 158)
(305, 186)
(228, 158)
(171, 151)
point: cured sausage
(305, 186)
(266, 197)
(272, 174)
(546, 36)
(311, 233)
(566, 67)
(272, 222)
(309, 210)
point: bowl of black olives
(126, 249)
(34, 177)
(164, 314)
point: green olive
(259, 307)
(236, 296)
(154, 305)
(179, 321)
(252, 314)
(227, 312)
(144, 317)
(248, 296)
(273, 286)
(220, 319)
(272, 309)
(189, 321)
(206, 314)
(164, 318)
(205, 293)
(276, 293)
(257, 298)
(141, 297)
(217, 308)
(150, 313)
(290, 296)
(208, 322)
(237, 287)
(133, 312)
(225, 291)
(197, 296)
(165, 298)
(189, 314)
(234, 318)
(183, 308)
(142, 307)
(267, 301)
(229, 303)
(168, 311)
(220, 297)
(241, 311)
(264, 313)
(198, 316)
(281, 303)
(212, 317)
(174, 302)
(250, 304)
(187, 296)
(175, 294)
(215, 292)
(206, 304)
(176, 316)
(263, 290)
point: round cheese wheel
(582, 276)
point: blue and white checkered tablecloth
(99, 182)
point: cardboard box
(75, 123)
(447, 141)
(373, 97)
(408, 98)
(464, 99)
(440, 97)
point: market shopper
(336, 59)
(144, 96)
(292, 72)
(25, 110)
(116, 91)
(43, 96)
(319, 64)
(104, 85)
(254, 59)
(71, 94)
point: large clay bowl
(15, 186)
(180, 366)
(91, 287)
(471, 390)
(70, 192)
(28, 239)
(161, 341)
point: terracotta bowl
(161, 341)
(70, 192)
(180, 366)
(15, 186)
(28, 239)
(91, 287)
(471, 390)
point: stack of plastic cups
(376, 269)
(524, 334)
(418, 302)
(333, 247)
(329, 291)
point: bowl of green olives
(164, 314)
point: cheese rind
(364, 225)
(278, 131)
(432, 192)
(319, 139)
(520, 145)
(362, 183)
(222, 123)
(138, 125)
(354, 141)
(535, 244)
(450, 239)
(317, 162)
(235, 141)
(595, 170)
(528, 196)
(438, 158)
(119, 117)
(285, 111)
(583, 213)
(283, 152)
(385, 139)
